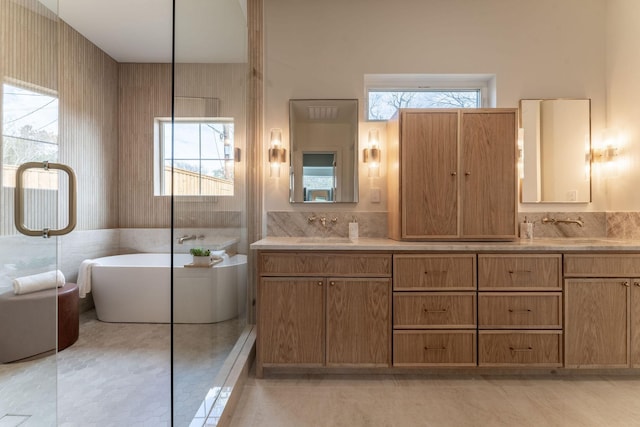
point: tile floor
(118, 374)
(439, 401)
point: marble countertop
(582, 244)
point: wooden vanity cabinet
(292, 321)
(434, 310)
(520, 310)
(452, 174)
(602, 310)
(323, 310)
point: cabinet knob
(636, 284)
(320, 283)
(454, 173)
(332, 283)
(625, 284)
(467, 173)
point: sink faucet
(182, 239)
(563, 221)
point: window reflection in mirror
(324, 150)
(556, 146)
(318, 176)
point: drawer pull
(431, 310)
(436, 272)
(435, 348)
(514, 349)
(520, 310)
(519, 271)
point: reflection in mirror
(556, 150)
(324, 152)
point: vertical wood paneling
(38, 49)
(28, 54)
(145, 94)
(255, 148)
(88, 127)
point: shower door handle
(19, 200)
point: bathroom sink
(324, 240)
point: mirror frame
(588, 161)
(340, 168)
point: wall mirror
(324, 150)
(556, 147)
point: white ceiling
(140, 30)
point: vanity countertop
(569, 244)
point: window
(318, 176)
(29, 134)
(201, 157)
(388, 92)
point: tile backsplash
(618, 225)
(298, 224)
(595, 224)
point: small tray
(211, 264)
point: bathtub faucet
(182, 239)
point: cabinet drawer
(526, 310)
(434, 310)
(505, 348)
(325, 264)
(521, 272)
(433, 348)
(434, 272)
(602, 265)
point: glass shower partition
(33, 191)
(204, 172)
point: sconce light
(608, 151)
(277, 154)
(520, 164)
(371, 155)
(605, 154)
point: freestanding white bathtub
(137, 288)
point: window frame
(39, 90)
(484, 83)
(159, 158)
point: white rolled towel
(38, 282)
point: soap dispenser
(526, 229)
(353, 229)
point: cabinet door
(291, 321)
(488, 173)
(596, 325)
(429, 159)
(358, 322)
(635, 323)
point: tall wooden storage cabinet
(452, 174)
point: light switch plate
(375, 195)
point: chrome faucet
(563, 221)
(182, 239)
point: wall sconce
(606, 154)
(371, 155)
(608, 151)
(277, 154)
